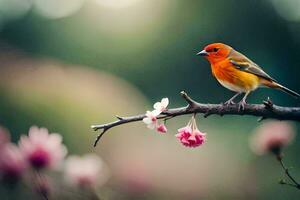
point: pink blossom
(271, 137)
(41, 149)
(190, 136)
(12, 162)
(85, 171)
(161, 128)
(151, 116)
(151, 119)
(161, 106)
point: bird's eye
(215, 49)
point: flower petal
(147, 120)
(157, 106)
(155, 113)
(148, 113)
(151, 126)
(165, 102)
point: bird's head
(215, 52)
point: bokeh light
(288, 9)
(54, 9)
(142, 16)
(13, 9)
(117, 4)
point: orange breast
(234, 79)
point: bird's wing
(243, 63)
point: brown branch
(264, 111)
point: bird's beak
(202, 53)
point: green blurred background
(68, 64)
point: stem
(39, 182)
(287, 172)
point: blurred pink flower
(190, 136)
(161, 128)
(86, 171)
(271, 137)
(134, 177)
(41, 149)
(12, 162)
(161, 106)
(151, 119)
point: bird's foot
(229, 102)
(241, 105)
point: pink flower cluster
(271, 137)
(190, 135)
(151, 116)
(41, 150)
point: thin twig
(191, 103)
(290, 184)
(287, 172)
(264, 111)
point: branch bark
(263, 111)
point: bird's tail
(289, 91)
(281, 87)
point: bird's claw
(241, 105)
(229, 102)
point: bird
(236, 72)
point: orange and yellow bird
(238, 73)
